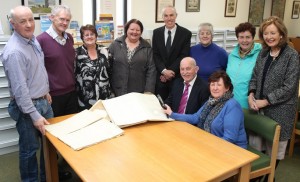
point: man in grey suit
(198, 91)
(170, 44)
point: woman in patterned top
(92, 69)
(133, 65)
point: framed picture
(40, 7)
(256, 12)
(192, 6)
(230, 8)
(160, 4)
(278, 8)
(296, 9)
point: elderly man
(189, 92)
(59, 61)
(170, 43)
(23, 62)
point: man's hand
(163, 78)
(49, 99)
(168, 74)
(40, 125)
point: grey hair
(12, 12)
(209, 26)
(57, 9)
(169, 6)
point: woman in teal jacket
(241, 61)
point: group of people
(201, 85)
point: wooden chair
(270, 131)
(296, 131)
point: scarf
(244, 53)
(211, 110)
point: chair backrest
(260, 124)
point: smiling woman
(241, 61)
(132, 61)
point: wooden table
(154, 151)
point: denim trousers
(30, 140)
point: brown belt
(39, 98)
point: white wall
(144, 10)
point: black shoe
(64, 175)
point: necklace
(276, 53)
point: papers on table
(134, 108)
(91, 134)
(84, 129)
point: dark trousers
(163, 89)
(65, 104)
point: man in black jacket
(198, 91)
(170, 43)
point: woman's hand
(252, 102)
(168, 110)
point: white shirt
(173, 31)
(55, 36)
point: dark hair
(88, 27)
(281, 29)
(242, 27)
(216, 76)
(133, 21)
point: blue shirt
(240, 72)
(228, 124)
(209, 59)
(23, 62)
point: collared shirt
(191, 85)
(54, 35)
(173, 31)
(23, 62)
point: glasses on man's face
(89, 35)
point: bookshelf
(224, 38)
(9, 136)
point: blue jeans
(29, 140)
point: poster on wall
(45, 22)
(39, 7)
(105, 30)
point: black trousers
(65, 104)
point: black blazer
(180, 49)
(198, 96)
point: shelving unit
(9, 136)
(224, 38)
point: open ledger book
(84, 129)
(133, 108)
(93, 126)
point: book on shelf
(132, 108)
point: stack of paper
(84, 129)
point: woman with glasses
(92, 69)
(208, 55)
(133, 65)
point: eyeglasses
(89, 35)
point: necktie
(184, 99)
(168, 44)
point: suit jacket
(198, 95)
(180, 48)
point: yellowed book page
(96, 132)
(134, 108)
(76, 122)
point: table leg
(50, 157)
(244, 174)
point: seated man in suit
(189, 92)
